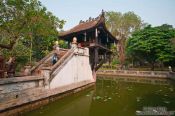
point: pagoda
(94, 35)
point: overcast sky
(154, 12)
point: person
(170, 69)
(79, 45)
(11, 66)
(74, 43)
(1, 66)
(56, 47)
(54, 58)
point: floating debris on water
(94, 98)
(171, 89)
(155, 111)
(106, 100)
(109, 98)
(138, 111)
(98, 97)
(138, 99)
(167, 102)
(129, 89)
(87, 95)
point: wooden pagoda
(93, 34)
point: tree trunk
(121, 52)
(10, 46)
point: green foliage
(21, 53)
(152, 45)
(24, 23)
(115, 61)
(114, 55)
(63, 44)
(122, 26)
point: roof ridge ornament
(92, 19)
(81, 21)
(103, 12)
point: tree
(27, 29)
(122, 26)
(152, 45)
(25, 19)
(19, 50)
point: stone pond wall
(156, 74)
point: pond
(114, 97)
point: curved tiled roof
(84, 26)
(87, 25)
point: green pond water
(114, 97)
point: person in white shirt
(56, 47)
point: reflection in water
(113, 97)
(75, 105)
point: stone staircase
(46, 62)
(70, 74)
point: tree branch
(9, 46)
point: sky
(154, 12)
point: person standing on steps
(54, 58)
(11, 66)
(56, 53)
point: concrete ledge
(104, 74)
(155, 74)
(39, 97)
(4, 81)
(140, 80)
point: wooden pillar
(107, 39)
(110, 59)
(85, 38)
(96, 49)
(96, 56)
(96, 35)
(69, 46)
(105, 56)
